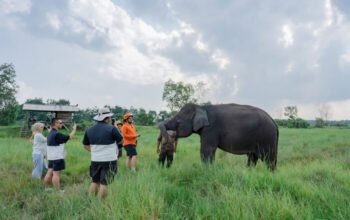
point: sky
(267, 53)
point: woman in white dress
(39, 150)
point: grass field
(312, 181)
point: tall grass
(312, 181)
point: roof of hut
(50, 108)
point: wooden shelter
(63, 112)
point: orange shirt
(129, 134)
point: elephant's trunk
(163, 131)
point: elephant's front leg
(208, 149)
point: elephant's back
(240, 127)
(238, 112)
(242, 120)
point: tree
(38, 101)
(84, 117)
(118, 112)
(297, 123)
(39, 116)
(325, 111)
(178, 94)
(145, 118)
(319, 123)
(291, 112)
(152, 117)
(201, 93)
(8, 90)
(58, 102)
(141, 117)
(163, 115)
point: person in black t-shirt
(56, 153)
(101, 140)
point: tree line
(84, 116)
(175, 94)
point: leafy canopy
(178, 94)
(8, 90)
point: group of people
(103, 140)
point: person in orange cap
(130, 139)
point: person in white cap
(101, 140)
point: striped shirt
(55, 145)
(103, 139)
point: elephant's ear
(200, 119)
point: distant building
(63, 112)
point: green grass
(312, 181)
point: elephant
(234, 128)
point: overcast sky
(264, 53)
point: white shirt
(39, 144)
(100, 153)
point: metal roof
(50, 108)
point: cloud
(268, 54)
(117, 28)
(15, 6)
(24, 92)
(344, 60)
(287, 39)
(201, 46)
(146, 69)
(133, 44)
(337, 110)
(290, 67)
(134, 47)
(332, 17)
(53, 21)
(220, 59)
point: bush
(319, 123)
(82, 125)
(292, 123)
(281, 122)
(297, 123)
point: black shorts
(103, 172)
(130, 150)
(120, 151)
(57, 165)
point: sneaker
(133, 170)
(48, 189)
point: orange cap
(128, 115)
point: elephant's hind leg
(271, 160)
(252, 159)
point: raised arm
(71, 135)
